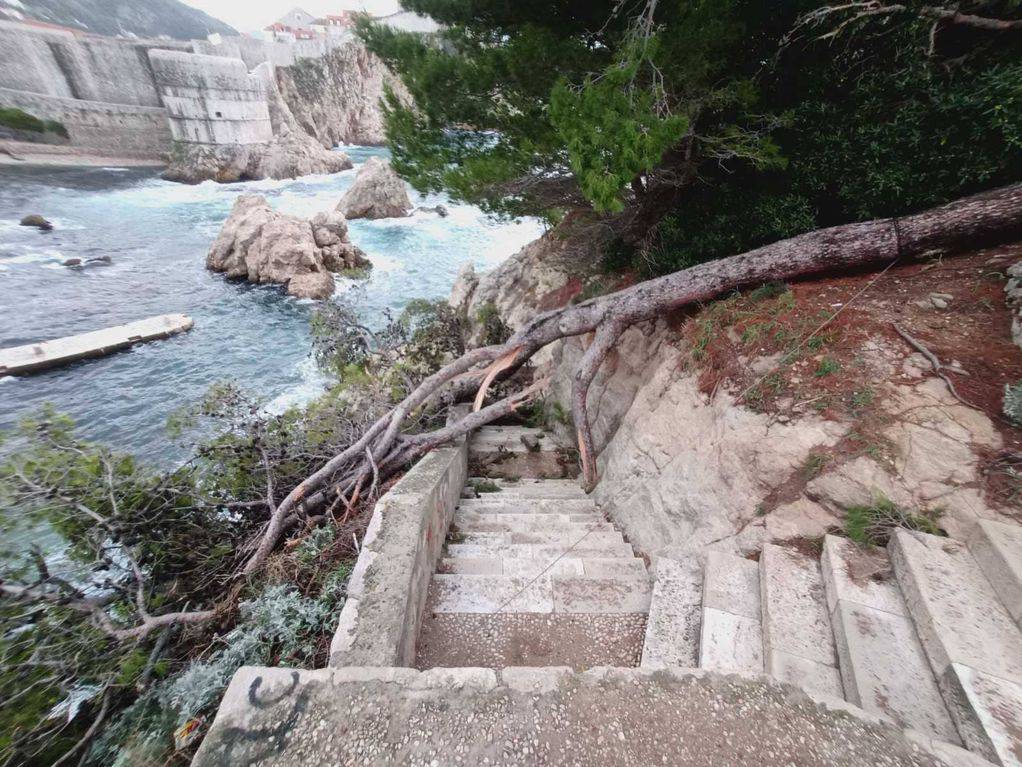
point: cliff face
(337, 98)
(727, 430)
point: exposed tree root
(988, 217)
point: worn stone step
(471, 522)
(798, 642)
(731, 636)
(973, 645)
(460, 593)
(541, 716)
(471, 565)
(510, 438)
(672, 629)
(529, 505)
(579, 640)
(528, 567)
(528, 488)
(499, 451)
(595, 594)
(574, 535)
(548, 593)
(997, 549)
(538, 551)
(883, 666)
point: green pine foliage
(751, 126)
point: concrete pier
(31, 358)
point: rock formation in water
(37, 221)
(291, 153)
(337, 98)
(378, 192)
(261, 245)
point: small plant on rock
(872, 524)
(1013, 402)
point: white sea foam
(313, 383)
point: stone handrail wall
(379, 623)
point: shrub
(1013, 402)
(872, 525)
(19, 120)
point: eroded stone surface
(600, 717)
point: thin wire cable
(816, 332)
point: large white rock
(259, 244)
(378, 192)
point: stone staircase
(925, 634)
(532, 574)
(541, 641)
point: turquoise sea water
(157, 234)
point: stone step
(798, 642)
(546, 594)
(566, 538)
(528, 567)
(538, 551)
(731, 636)
(997, 549)
(529, 505)
(471, 522)
(527, 488)
(510, 438)
(973, 645)
(541, 716)
(672, 629)
(577, 640)
(883, 665)
(501, 451)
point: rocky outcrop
(336, 98)
(686, 467)
(260, 245)
(37, 221)
(287, 156)
(378, 192)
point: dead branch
(858, 11)
(988, 217)
(935, 363)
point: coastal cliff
(337, 98)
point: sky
(252, 15)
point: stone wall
(113, 129)
(379, 624)
(211, 99)
(85, 67)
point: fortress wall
(117, 130)
(211, 99)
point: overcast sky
(250, 15)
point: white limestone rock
(261, 245)
(378, 192)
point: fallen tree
(383, 449)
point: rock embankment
(378, 192)
(261, 245)
(288, 155)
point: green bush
(1013, 402)
(20, 120)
